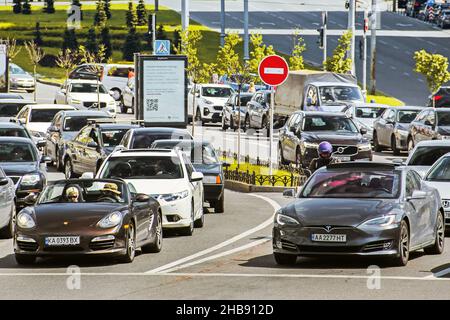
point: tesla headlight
(30, 179)
(365, 147)
(173, 196)
(310, 145)
(111, 220)
(283, 220)
(381, 222)
(25, 221)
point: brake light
(437, 98)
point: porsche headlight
(283, 220)
(173, 196)
(30, 179)
(111, 220)
(25, 221)
(384, 222)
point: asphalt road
(230, 258)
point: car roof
(145, 153)
(408, 108)
(10, 95)
(115, 125)
(364, 165)
(322, 113)
(16, 139)
(334, 84)
(433, 143)
(161, 130)
(21, 101)
(182, 141)
(370, 105)
(4, 124)
(219, 85)
(84, 81)
(52, 106)
(438, 109)
(81, 113)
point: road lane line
(261, 226)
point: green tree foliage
(91, 43)
(49, 6)
(67, 60)
(259, 51)
(105, 39)
(338, 62)
(17, 7)
(131, 45)
(26, 7)
(38, 35)
(108, 9)
(227, 57)
(131, 16)
(141, 13)
(434, 67)
(189, 47)
(69, 40)
(100, 17)
(161, 33)
(296, 59)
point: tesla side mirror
(87, 175)
(30, 199)
(3, 181)
(417, 195)
(141, 197)
(46, 159)
(92, 144)
(363, 130)
(196, 176)
(290, 193)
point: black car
(9, 108)
(204, 159)
(363, 209)
(90, 147)
(430, 124)
(299, 138)
(440, 99)
(143, 138)
(230, 115)
(443, 18)
(64, 127)
(391, 129)
(414, 6)
(88, 217)
(22, 162)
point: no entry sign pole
(273, 71)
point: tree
(338, 62)
(69, 40)
(35, 53)
(11, 47)
(227, 57)
(49, 6)
(434, 67)
(176, 43)
(100, 17)
(131, 16)
(93, 60)
(131, 45)
(91, 44)
(105, 39)
(26, 7)
(67, 60)
(38, 35)
(259, 52)
(141, 13)
(108, 9)
(296, 59)
(17, 7)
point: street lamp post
(184, 14)
(222, 22)
(246, 52)
(351, 28)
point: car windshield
(427, 156)
(371, 113)
(17, 70)
(76, 123)
(145, 140)
(13, 132)
(17, 152)
(329, 123)
(406, 116)
(87, 88)
(112, 137)
(10, 109)
(443, 119)
(216, 92)
(43, 115)
(354, 184)
(245, 100)
(87, 191)
(197, 153)
(440, 171)
(149, 167)
(339, 93)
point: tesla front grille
(27, 246)
(101, 245)
(329, 249)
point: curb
(248, 188)
(49, 83)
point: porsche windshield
(355, 184)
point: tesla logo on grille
(328, 228)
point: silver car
(20, 79)
(364, 116)
(7, 206)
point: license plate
(320, 237)
(344, 158)
(62, 241)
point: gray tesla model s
(360, 209)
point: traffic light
(321, 37)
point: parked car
(166, 175)
(9, 108)
(209, 102)
(414, 6)
(83, 95)
(16, 129)
(128, 97)
(10, 95)
(230, 115)
(257, 116)
(302, 133)
(90, 147)
(430, 124)
(143, 138)
(364, 115)
(116, 220)
(64, 127)
(441, 99)
(37, 118)
(443, 19)
(113, 76)
(22, 162)
(360, 209)
(7, 208)
(392, 128)
(425, 154)
(204, 159)
(439, 177)
(20, 79)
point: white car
(37, 118)
(168, 176)
(365, 114)
(128, 97)
(83, 95)
(210, 100)
(439, 177)
(426, 153)
(7, 206)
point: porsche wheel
(156, 245)
(130, 244)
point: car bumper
(212, 117)
(297, 241)
(176, 214)
(213, 192)
(310, 154)
(21, 85)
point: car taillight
(437, 98)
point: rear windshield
(13, 132)
(145, 140)
(43, 115)
(427, 156)
(10, 109)
(406, 116)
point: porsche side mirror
(141, 197)
(290, 193)
(87, 175)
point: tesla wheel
(24, 259)
(130, 244)
(410, 144)
(438, 246)
(402, 258)
(156, 245)
(200, 222)
(219, 205)
(68, 171)
(284, 259)
(376, 145)
(8, 231)
(189, 230)
(394, 148)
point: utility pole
(222, 22)
(373, 47)
(351, 28)
(324, 36)
(156, 5)
(364, 55)
(246, 52)
(184, 14)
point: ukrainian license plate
(343, 158)
(62, 241)
(320, 237)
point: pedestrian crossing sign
(162, 47)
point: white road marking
(261, 226)
(431, 43)
(439, 274)
(406, 74)
(267, 23)
(420, 80)
(393, 68)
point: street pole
(222, 22)
(324, 25)
(373, 46)
(184, 14)
(246, 52)
(154, 32)
(156, 5)
(364, 71)
(351, 28)
(272, 91)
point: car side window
(430, 119)
(417, 180)
(256, 97)
(421, 117)
(189, 168)
(291, 121)
(412, 183)
(312, 93)
(84, 136)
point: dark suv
(430, 124)
(302, 133)
(440, 99)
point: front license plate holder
(62, 241)
(329, 237)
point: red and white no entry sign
(273, 70)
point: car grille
(27, 246)
(347, 150)
(329, 249)
(101, 245)
(218, 108)
(94, 104)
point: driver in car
(72, 194)
(110, 193)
